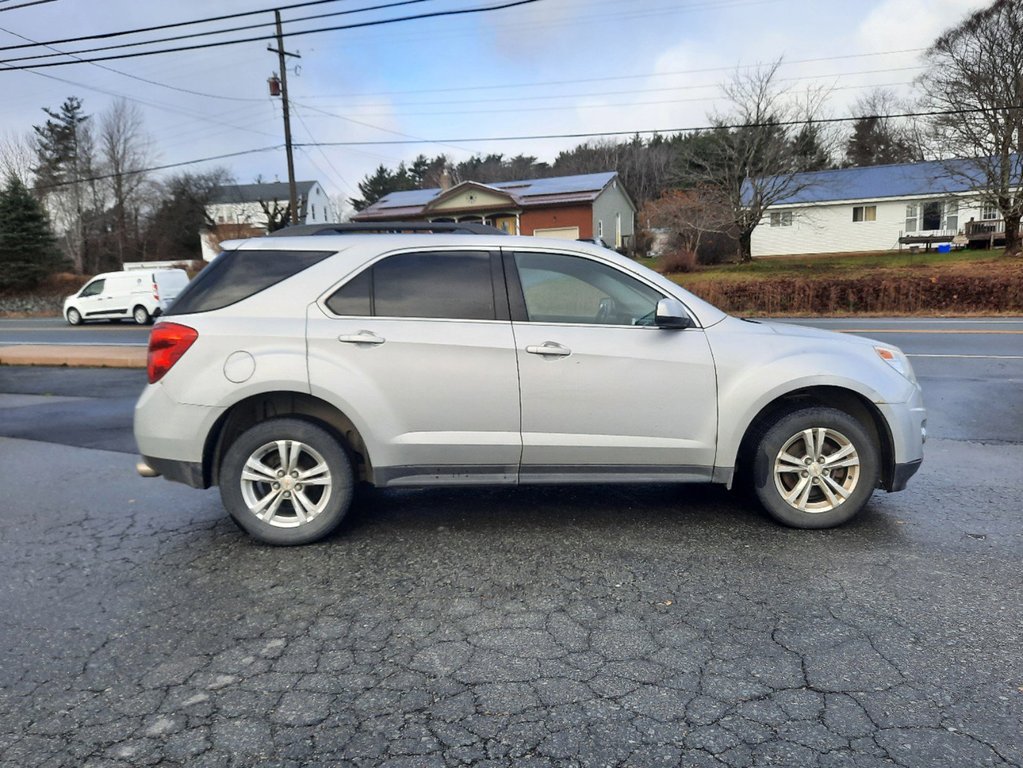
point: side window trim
(516, 295)
(516, 298)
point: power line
(606, 105)
(359, 25)
(119, 72)
(702, 70)
(650, 131)
(173, 25)
(643, 132)
(166, 166)
(25, 5)
(209, 33)
(630, 92)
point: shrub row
(947, 294)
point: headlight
(897, 360)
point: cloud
(895, 25)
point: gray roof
(254, 193)
(937, 177)
(523, 190)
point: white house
(244, 210)
(878, 208)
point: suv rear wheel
(815, 468)
(286, 481)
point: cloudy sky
(449, 83)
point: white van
(140, 294)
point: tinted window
(354, 297)
(571, 289)
(454, 286)
(236, 275)
(92, 289)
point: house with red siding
(592, 205)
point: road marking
(943, 331)
(73, 344)
(974, 357)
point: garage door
(561, 233)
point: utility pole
(281, 53)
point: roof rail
(389, 227)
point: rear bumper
(187, 472)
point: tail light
(167, 343)
(156, 291)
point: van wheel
(286, 482)
(815, 468)
(74, 317)
(141, 315)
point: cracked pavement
(559, 626)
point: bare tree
(17, 157)
(689, 216)
(277, 214)
(975, 73)
(750, 157)
(174, 228)
(126, 152)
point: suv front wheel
(815, 468)
(286, 481)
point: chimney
(445, 180)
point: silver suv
(293, 368)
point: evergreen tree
(65, 153)
(876, 141)
(808, 149)
(380, 184)
(28, 249)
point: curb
(98, 356)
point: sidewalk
(90, 356)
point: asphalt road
(56, 331)
(555, 626)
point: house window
(932, 216)
(781, 219)
(865, 213)
(600, 228)
(989, 212)
(951, 215)
(314, 212)
(912, 217)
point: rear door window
(436, 285)
(237, 275)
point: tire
(798, 490)
(299, 513)
(141, 315)
(74, 317)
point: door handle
(362, 337)
(549, 349)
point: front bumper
(901, 474)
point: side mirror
(672, 315)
